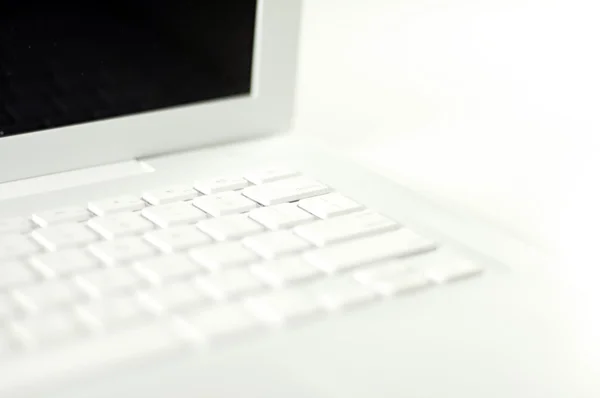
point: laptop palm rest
(69, 179)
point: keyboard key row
(64, 236)
(226, 284)
(218, 256)
(193, 303)
(178, 193)
(276, 185)
(225, 228)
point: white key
(8, 308)
(347, 227)
(108, 281)
(330, 205)
(223, 255)
(220, 322)
(15, 273)
(270, 175)
(113, 312)
(285, 271)
(177, 238)
(15, 225)
(401, 283)
(282, 216)
(174, 214)
(359, 252)
(230, 283)
(276, 244)
(65, 236)
(61, 216)
(230, 227)
(225, 203)
(14, 246)
(7, 344)
(167, 268)
(177, 193)
(397, 276)
(383, 270)
(122, 250)
(444, 267)
(222, 184)
(62, 263)
(283, 306)
(120, 225)
(121, 204)
(48, 294)
(175, 297)
(283, 191)
(335, 294)
(48, 327)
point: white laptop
(151, 245)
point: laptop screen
(68, 62)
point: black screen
(63, 63)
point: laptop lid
(88, 83)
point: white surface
(69, 179)
(311, 361)
(489, 106)
(520, 333)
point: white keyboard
(205, 260)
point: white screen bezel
(268, 109)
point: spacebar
(21, 374)
(355, 253)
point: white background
(490, 106)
